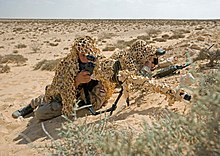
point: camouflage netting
(63, 84)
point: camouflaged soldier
(134, 70)
(76, 78)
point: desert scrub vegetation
(53, 44)
(109, 48)
(105, 35)
(153, 32)
(194, 133)
(35, 47)
(122, 44)
(20, 46)
(13, 58)
(49, 65)
(159, 40)
(213, 56)
(4, 69)
(143, 37)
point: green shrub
(194, 133)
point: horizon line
(188, 19)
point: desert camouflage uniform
(62, 94)
(132, 62)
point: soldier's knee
(48, 111)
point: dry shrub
(199, 28)
(196, 47)
(106, 36)
(149, 42)
(15, 51)
(182, 31)
(2, 47)
(17, 29)
(212, 56)
(121, 44)
(57, 40)
(92, 30)
(176, 36)
(159, 40)
(185, 45)
(109, 48)
(4, 68)
(201, 38)
(35, 47)
(13, 58)
(65, 48)
(49, 65)
(20, 46)
(143, 37)
(153, 32)
(165, 36)
(53, 44)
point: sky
(110, 9)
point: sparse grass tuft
(176, 36)
(121, 44)
(153, 32)
(196, 47)
(104, 36)
(4, 69)
(53, 44)
(49, 65)
(212, 56)
(20, 46)
(35, 47)
(144, 37)
(13, 58)
(109, 48)
(159, 40)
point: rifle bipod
(111, 109)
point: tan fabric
(63, 84)
(132, 61)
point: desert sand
(37, 40)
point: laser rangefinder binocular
(89, 66)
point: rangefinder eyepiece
(91, 57)
(89, 67)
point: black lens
(155, 61)
(160, 51)
(187, 97)
(91, 57)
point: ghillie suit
(131, 63)
(62, 87)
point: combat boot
(23, 111)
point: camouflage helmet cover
(86, 44)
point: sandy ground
(51, 40)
